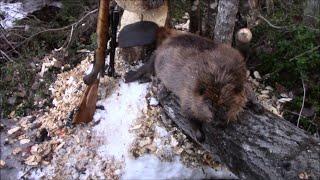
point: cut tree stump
(261, 146)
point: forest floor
(129, 136)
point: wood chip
(2, 164)
(24, 141)
(33, 160)
(13, 130)
(16, 151)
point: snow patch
(11, 13)
(153, 102)
(19, 10)
(150, 167)
(122, 109)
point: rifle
(99, 63)
(114, 22)
(106, 19)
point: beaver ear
(138, 34)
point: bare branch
(306, 52)
(270, 24)
(9, 43)
(6, 56)
(57, 29)
(304, 96)
(66, 43)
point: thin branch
(70, 38)
(57, 29)
(294, 113)
(6, 56)
(25, 173)
(306, 52)
(304, 97)
(271, 25)
(66, 43)
(7, 41)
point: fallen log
(261, 146)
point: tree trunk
(269, 6)
(195, 22)
(225, 21)
(258, 147)
(311, 13)
(210, 10)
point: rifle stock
(87, 106)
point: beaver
(205, 76)
(209, 79)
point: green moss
(285, 55)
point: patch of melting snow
(150, 167)
(18, 10)
(11, 13)
(122, 109)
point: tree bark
(210, 9)
(225, 21)
(195, 22)
(258, 147)
(270, 6)
(311, 13)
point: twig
(24, 174)
(304, 96)
(270, 24)
(294, 113)
(66, 43)
(6, 56)
(7, 41)
(70, 38)
(57, 29)
(306, 52)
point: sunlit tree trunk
(311, 13)
(225, 21)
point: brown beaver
(207, 78)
